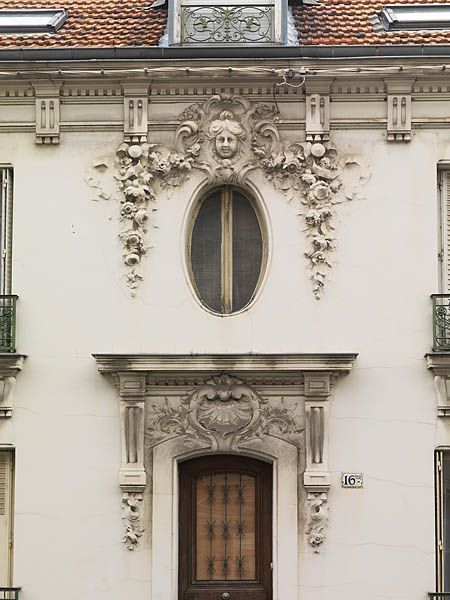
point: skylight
(32, 20)
(396, 17)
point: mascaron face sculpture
(226, 133)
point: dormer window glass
(221, 23)
(32, 20)
(414, 17)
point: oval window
(226, 251)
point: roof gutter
(173, 53)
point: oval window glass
(226, 251)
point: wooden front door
(225, 531)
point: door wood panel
(225, 529)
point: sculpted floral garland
(227, 138)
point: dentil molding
(10, 365)
(224, 403)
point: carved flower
(318, 258)
(316, 538)
(141, 216)
(336, 185)
(325, 162)
(133, 241)
(308, 177)
(316, 216)
(128, 210)
(292, 166)
(194, 150)
(132, 259)
(320, 190)
(322, 242)
(136, 189)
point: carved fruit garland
(140, 167)
(299, 169)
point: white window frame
(6, 519)
(6, 227)
(280, 23)
(444, 226)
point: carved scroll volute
(316, 478)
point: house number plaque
(352, 480)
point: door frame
(165, 511)
(217, 463)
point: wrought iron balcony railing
(441, 322)
(9, 593)
(439, 595)
(228, 23)
(8, 325)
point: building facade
(222, 371)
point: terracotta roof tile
(346, 22)
(119, 23)
(93, 23)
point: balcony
(8, 325)
(9, 593)
(439, 595)
(441, 323)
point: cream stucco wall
(68, 272)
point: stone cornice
(284, 364)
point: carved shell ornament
(223, 414)
(227, 138)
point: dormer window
(222, 23)
(412, 17)
(34, 20)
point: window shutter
(6, 217)
(6, 479)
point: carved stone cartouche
(227, 138)
(222, 414)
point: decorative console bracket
(132, 476)
(135, 106)
(439, 364)
(225, 403)
(47, 112)
(399, 109)
(318, 110)
(10, 365)
(316, 478)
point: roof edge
(160, 53)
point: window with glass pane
(226, 251)
(222, 22)
(226, 527)
(443, 519)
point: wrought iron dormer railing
(439, 596)
(228, 23)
